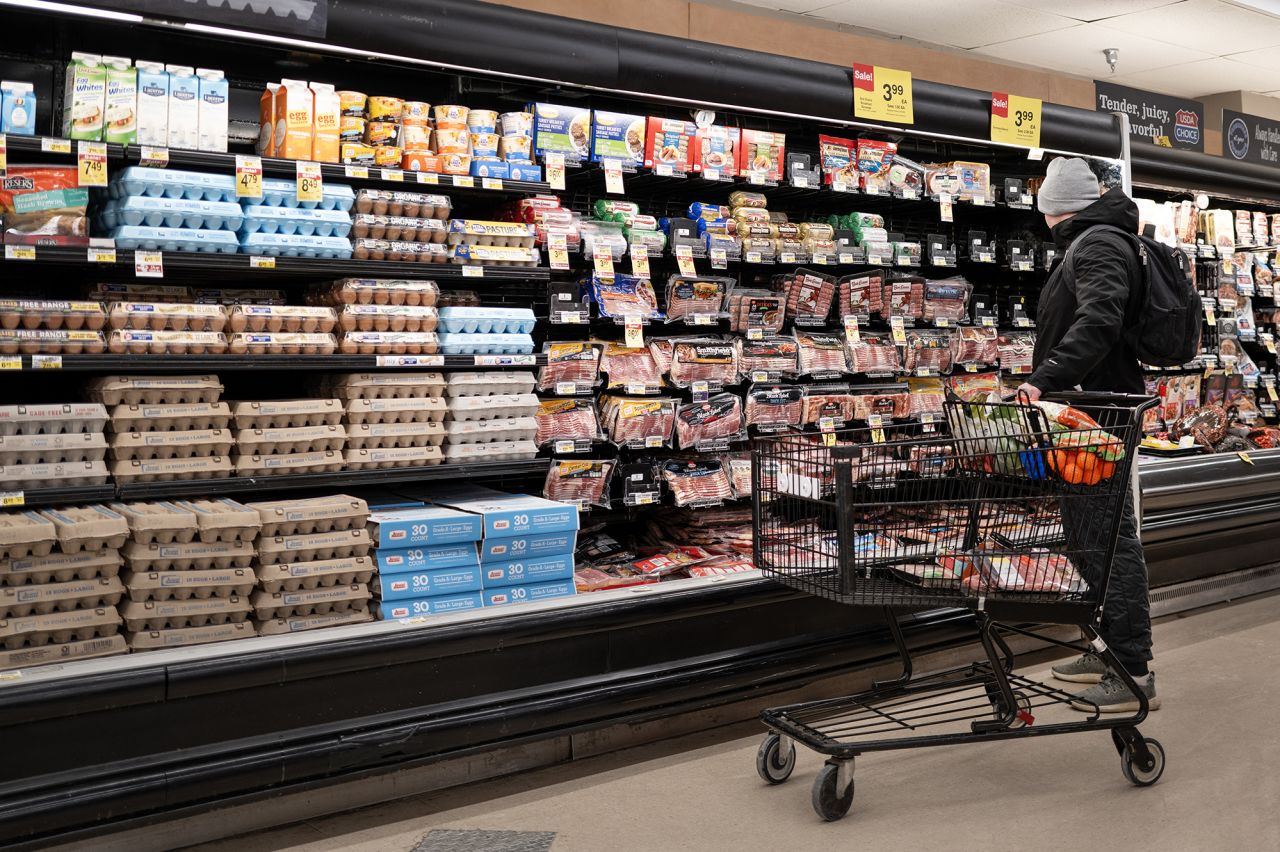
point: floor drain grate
(449, 840)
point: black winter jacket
(1081, 317)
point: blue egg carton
(167, 183)
(487, 320)
(141, 238)
(284, 193)
(171, 213)
(295, 245)
(293, 220)
(486, 344)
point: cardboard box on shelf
(325, 129)
(506, 515)
(410, 559)
(421, 584)
(529, 593)
(420, 527)
(497, 549)
(521, 572)
(438, 605)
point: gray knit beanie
(1069, 187)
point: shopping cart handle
(1138, 401)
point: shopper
(1084, 308)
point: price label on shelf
(19, 252)
(845, 257)
(663, 170)
(979, 201)
(719, 259)
(634, 332)
(756, 177)
(645, 498)
(787, 257)
(566, 447)
(554, 162)
(945, 208)
(154, 158)
(755, 334)
(357, 172)
(882, 94)
(700, 390)
(1209, 316)
(1015, 120)
(428, 178)
(871, 189)
(800, 182)
(10, 499)
(613, 177)
(91, 164)
(310, 182)
(942, 322)
(838, 185)
(46, 362)
(10, 362)
(409, 360)
(702, 319)
(55, 146)
(602, 257)
(491, 183)
(684, 259)
(827, 424)
(558, 250)
(874, 259)
(637, 388)
(877, 435)
(148, 264)
(851, 329)
(899, 330)
(759, 376)
(753, 257)
(711, 174)
(101, 251)
(566, 388)
(987, 321)
(1272, 394)
(819, 260)
(473, 272)
(639, 260)
(463, 181)
(1268, 341)
(248, 176)
(4, 154)
(259, 262)
(393, 175)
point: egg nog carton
(28, 657)
(44, 598)
(192, 612)
(357, 613)
(191, 556)
(186, 585)
(181, 637)
(52, 449)
(128, 471)
(166, 418)
(160, 522)
(315, 515)
(292, 549)
(52, 419)
(317, 574)
(380, 436)
(394, 457)
(307, 439)
(58, 628)
(90, 528)
(155, 390)
(191, 443)
(332, 599)
(223, 519)
(25, 534)
(278, 414)
(60, 568)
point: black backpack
(1164, 319)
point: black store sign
(1160, 119)
(1251, 138)
(283, 17)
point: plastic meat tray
(72, 475)
(27, 657)
(295, 413)
(389, 318)
(281, 318)
(192, 556)
(167, 183)
(223, 520)
(91, 528)
(282, 343)
(308, 547)
(486, 383)
(193, 612)
(284, 193)
(154, 390)
(314, 515)
(379, 436)
(397, 457)
(494, 429)
(307, 439)
(496, 451)
(24, 534)
(69, 419)
(335, 599)
(161, 522)
(384, 385)
(261, 219)
(482, 344)
(170, 418)
(498, 405)
(60, 568)
(296, 245)
(142, 238)
(183, 636)
(42, 599)
(192, 443)
(357, 613)
(319, 574)
(320, 461)
(408, 410)
(184, 585)
(487, 320)
(389, 342)
(57, 628)
(52, 449)
(167, 470)
(139, 211)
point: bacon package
(585, 483)
(975, 345)
(690, 296)
(827, 401)
(874, 354)
(43, 205)
(697, 482)
(946, 300)
(626, 367)
(709, 360)
(928, 352)
(716, 420)
(566, 420)
(771, 357)
(576, 364)
(927, 397)
(774, 407)
(821, 354)
(625, 297)
(861, 295)
(1016, 351)
(886, 401)
(638, 422)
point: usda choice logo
(1238, 138)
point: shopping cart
(1011, 509)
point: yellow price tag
(156, 158)
(558, 250)
(393, 175)
(1209, 315)
(463, 181)
(9, 499)
(1272, 394)
(602, 257)
(19, 252)
(1244, 457)
(1015, 119)
(358, 172)
(4, 154)
(1270, 344)
(719, 259)
(633, 333)
(105, 253)
(10, 362)
(554, 162)
(828, 439)
(882, 94)
(945, 208)
(473, 272)
(684, 259)
(899, 330)
(91, 163)
(428, 178)
(55, 146)
(639, 260)
(258, 262)
(248, 176)
(491, 183)
(851, 330)
(46, 362)
(310, 182)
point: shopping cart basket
(1012, 510)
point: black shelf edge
(225, 363)
(56, 496)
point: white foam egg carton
(165, 316)
(307, 439)
(262, 219)
(393, 457)
(165, 183)
(223, 519)
(185, 585)
(357, 613)
(388, 318)
(44, 598)
(174, 239)
(25, 658)
(347, 386)
(171, 213)
(384, 436)
(191, 556)
(180, 637)
(493, 429)
(52, 449)
(155, 390)
(24, 534)
(282, 192)
(320, 574)
(295, 413)
(90, 528)
(334, 599)
(490, 382)
(406, 410)
(134, 342)
(296, 245)
(496, 405)
(160, 522)
(485, 344)
(191, 443)
(127, 471)
(307, 547)
(495, 451)
(314, 515)
(282, 343)
(60, 568)
(321, 461)
(464, 320)
(281, 318)
(192, 612)
(71, 474)
(68, 419)
(57, 628)
(389, 343)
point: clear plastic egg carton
(66, 419)
(388, 458)
(320, 461)
(357, 613)
(167, 342)
(486, 344)
(261, 219)
(32, 314)
(221, 519)
(479, 255)
(495, 451)
(495, 429)
(377, 291)
(189, 556)
(172, 183)
(281, 318)
(388, 318)
(116, 291)
(282, 413)
(170, 417)
(171, 213)
(154, 390)
(282, 343)
(162, 316)
(496, 405)
(274, 442)
(142, 238)
(58, 628)
(406, 228)
(320, 574)
(385, 436)
(335, 599)
(295, 245)
(44, 598)
(347, 386)
(88, 528)
(405, 251)
(70, 475)
(186, 585)
(236, 296)
(481, 232)
(52, 449)
(60, 568)
(487, 320)
(181, 637)
(25, 534)
(160, 522)
(129, 471)
(192, 612)
(407, 410)
(386, 203)
(188, 444)
(45, 342)
(318, 514)
(490, 382)
(277, 192)
(309, 547)
(389, 343)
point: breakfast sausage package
(617, 136)
(667, 142)
(561, 129)
(763, 152)
(43, 205)
(716, 148)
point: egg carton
(42, 341)
(175, 183)
(384, 202)
(493, 429)
(479, 232)
(117, 291)
(189, 556)
(461, 320)
(174, 239)
(278, 192)
(481, 344)
(488, 255)
(88, 528)
(25, 534)
(69, 419)
(320, 461)
(154, 390)
(32, 314)
(318, 514)
(58, 628)
(382, 436)
(335, 599)
(180, 637)
(295, 245)
(388, 318)
(128, 471)
(357, 613)
(307, 439)
(52, 449)
(236, 296)
(185, 585)
(463, 408)
(281, 413)
(412, 228)
(320, 574)
(163, 316)
(65, 653)
(282, 343)
(221, 519)
(496, 451)
(44, 598)
(60, 568)
(308, 547)
(377, 291)
(160, 522)
(405, 251)
(407, 410)
(179, 417)
(152, 446)
(192, 612)
(393, 457)
(171, 213)
(389, 342)
(70, 475)
(134, 342)
(347, 386)
(489, 382)
(261, 219)
(281, 318)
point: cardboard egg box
(124, 341)
(319, 574)
(408, 410)
(315, 515)
(357, 614)
(487, 383)
(44, 598)
(69, 475)
(155, 390)
(393, 457)
(282, 343)
(69, 419)
(91, 528)
(167, 470)
(58, 628)
(309, 547)
(179, 417)
(179, 637)
(280, 414)
(60, 568)
(162, 316)
(373, 436)
(24, 534)
(388, 318)
(192, 612)
(320, 461)
(494, 429)
(308, 319)
(222, 519)
(491, 452)
(389, 343)
(159, 522)
(497, 405)
(335, 599)
(192, 556)
(87, 649)
(350, 386)
(186, 585)
(308, 439)
(52, 449)
(189, 443)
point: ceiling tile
(1094, 10)
(1078, 50)
(1266, 58)
(1209, 25)
(1196, 79)
(956, 24)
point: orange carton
(293, 111)
(326, 128)
(266, 145)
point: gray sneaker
(1111, 695)
(1088, 668)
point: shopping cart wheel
(1020, 698)
(1143, 776)
(772, 762)
(828, 800)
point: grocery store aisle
(1216, 675)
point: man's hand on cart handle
(1032, 392)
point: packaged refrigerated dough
(52, 449)
(170, 418)
(276, 318)
(184, 444)
(314, 515)
(282, 343)
(154, 390)
(277, 414)
(171, 342)
(160, 522)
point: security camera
(1112, 55)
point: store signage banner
(284, 17)
(882, 94)
(1161, 119)
(1250, 138)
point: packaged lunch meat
(43, 205)
(771, 407)
(927, 353)
(718, 419)
(630, 369)
(861, 295)
(768, 359)
(576, 364)
(625, 297)
(585, 483)
(710, 360)
(821, 354)
(690, 297)
(697, 482)
(874, 354)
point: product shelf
(36, 497)
(294, 363)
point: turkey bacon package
(43, 205)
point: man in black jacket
(1084, 308)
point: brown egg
(72, 321)
(237, 321)
(363, 203)
(95, 346)
(117, 346)
(157, 322)
(348, 295)
(32, 320)
(72, 347)
(238, 346)
(360, 252)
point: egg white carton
(70, 475)
(315, 515)
(480, 232)
(489, 382)
(295, 413)
(165, 183)
(295, 245)
(493, 429)
(496, 405)
(185, 585)
(385, 436)
(60, 567)
(192, 612)
(393, 457)
(482, 344)
(180, 637)
(383, 385)
(358, 613)
(134, 342)
(223, 519)
(58, 628)
(171, 213)
(28, 657)
(91, 528)
(160, 522)
(143, 238)
(307, 439)
(281, 318)
(389, 343)
(192, 443)
(191, 556)
(308, 547)
(165, 316)
(388, 318)
(320, 574)
(487, 320)
(44, 598)
(321, 461)
(282, 343)
(279, 192)
(496, 451)
(408, 410)
(181, 417)
(69, 419)
(128, 471)
(263, 219)
(24, 534)
(335, 599)
(154, 390)
(52, 449)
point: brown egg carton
(481, 232)
(170, 418)
(68, 419)
(308, 547)
(358, 613)
(154, 390)
(70, 475)
(282, 343)
(321, 461)
(193, 443)
(52, 449)
(92, 528)
(413, 228)
(405, 251)
(128, 471)
(192, 556)
(58, 628)
(180, 637)
(386, 436)
(493, 255)
(160, 522)
(281, 318)
(388, 318)
(347, 386)
(376, 291)
(185, 585)
(223, 519)
(161, 316)
(336, 599)
(25, 534)
(45, 342)
(60, 568)
(236, 296)
(32, 314)
(317, 514)
(319, 574)
(65, 653)
(134, 292)
(393, 457)
(167, 342)
(192, 612)
(408, 410)
(307, 439)
(295, 413)
(389, 342)
(384, 202)
(44, 598)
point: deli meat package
(946, 300)
(689, 297)
(624, 297)
(719, 419)
(975, 345)
(585, 483)
(874, 354)
(774, 407)
(697, 481)
(928, 352)
(824, 404)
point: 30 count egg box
(536, 546)
(52, 449)
(357, 614)
(420, 584)
(25, 534)
(292, 549)
(192, 612)
(167, 418)
(282, 343)
(58, 628)
(281, 318)
(166, 470)
(317, 574)
(28, 657)
(320, 461)
(434, 605)
(278, 414)
(389, 342)
(421, 526)
(519, 572)
(91, 528)
(493, 429)
(307, 439)
(388, 318)
(71, 474)
(504, 515)
(44, 598)
(407, 410)
(315, 515)
(60, 568)
(222, 519)
(192, 556)
(479, 383)
(46, 342)
(159, 522)
(528, 593)
(412, 560)
(161, 316)
(268, 605)
(492, 451)
(154, 390)
(167, 342)
(68, 419)
(372, 436)
(185, 585)
(495, 405)
(179, 637)
(487, 233)
(393, 457)
(192, 443)
(383, 385)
